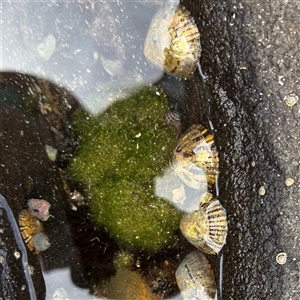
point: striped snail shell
(206, 228)
(196, 159)
(173, 41)
(195, 277)
(32, 231)
(39, 208)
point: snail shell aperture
(195, 277)
(31, 229)
(173, 41)
(196, 159)
(206, 228)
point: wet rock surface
(27, 172)
(250, 54)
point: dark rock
(244, 55)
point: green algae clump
(121, 153)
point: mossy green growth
(123, 259)
(121, 153)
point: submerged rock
(26, 172)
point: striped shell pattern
(196, 159)
(206, 228)
(173, 41)
(32, 230)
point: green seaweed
(121, 153)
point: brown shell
(173, 41)
(29, 227)
(195, 277)
(196, 159)
(206, 228)
(129, 285)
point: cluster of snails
(196, 163)
(173, 45)
(32, 230)
(173, 41)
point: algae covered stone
(121, 153)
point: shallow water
(70, 44)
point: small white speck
(51, 152)
(289, 181)
(291, 100)
(31, 270)
(17, 254)
(73, 207)
(281, 258)
(262, 190)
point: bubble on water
(47, 47)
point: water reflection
(171, 188)
(94, 49)
(59, 285)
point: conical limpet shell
(173, 41)
(195, 277)
(196, 159)
(206, 228)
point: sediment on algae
(121, 153)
